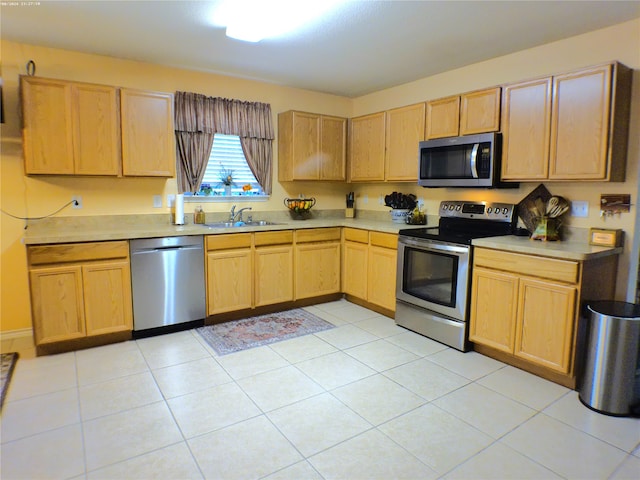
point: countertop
(113, 228)
(128, 227)
(566, 250)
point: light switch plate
(157, 201)
(171, 200)
(579, 208)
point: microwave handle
(474, 160)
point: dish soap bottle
(198, 215)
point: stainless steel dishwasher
(167, 277)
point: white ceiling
(361, 47)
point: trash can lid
(615, 309)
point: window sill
(224, 198)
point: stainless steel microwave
(467, 161)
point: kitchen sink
(252, 223)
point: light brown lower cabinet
(273, 267)
(246, 270)
(229, 272)
(369, 267)
(524, 308)
(317, 262)
(79, 290)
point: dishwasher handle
(166, 249)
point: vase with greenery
(226, 179)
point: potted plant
(226, 179)
(401, 205)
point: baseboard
(14, 334)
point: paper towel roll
(179, 210)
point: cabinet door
(333, 148)
(355, 270)
(229, 280)
(480, 111)
(273, 274)
(580, 124)
(544, 331)
(48, 129)
(443, 117)
(526, 127)
(494, 303)
(57, 303)
(306, 146)
(148, 137)
(96, 130)
(317, 269)
(107, 297)
(405, 128)
(366, 148)
(382, 277)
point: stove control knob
(451, 207)
(489, 210)
(458, 207)
(505, 210)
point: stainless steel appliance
(467, 161)
(434, 268)
(167, 277)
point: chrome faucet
(233, 214)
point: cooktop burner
(461, 222)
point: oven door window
(430, 276)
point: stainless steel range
(433, 286)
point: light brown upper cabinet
(384, 146)
(466, 114)
(573, 126)
(404, 129)
(311, 146)
(73, 128)
(70, 128)
(526, 127)
(148, 137)
(367, 147)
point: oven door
(434, 275)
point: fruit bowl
(299, 208)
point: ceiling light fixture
(255, 20)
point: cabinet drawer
(387, 240)
(529, 265)
(356, 235)
(224, 242)
(77, 252)
(317, 235)
(273, 238)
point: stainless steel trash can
(610, 381)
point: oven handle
(434, 247)
(474, 160)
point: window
(227, 158)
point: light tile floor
(365, 400)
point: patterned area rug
(8, 363)
(229, 337)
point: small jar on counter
(198, 215)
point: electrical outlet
(579, 208)
(77, 201)
(381, 200)
(365, 199)
(157, 201)
(421, 202)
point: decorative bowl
(300, 208)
